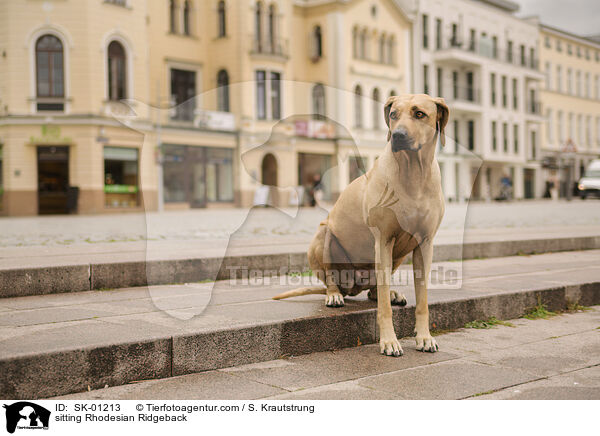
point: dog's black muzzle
(401, 140)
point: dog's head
(415, 121)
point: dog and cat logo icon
(26, 415)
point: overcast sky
(581, 17)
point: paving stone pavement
(554, 358)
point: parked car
(589, 184)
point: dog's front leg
(422, 256)
(388, 342)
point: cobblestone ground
(204, 224)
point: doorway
(269, 177)
(53, 180)
(529, 176)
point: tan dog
(392, 210)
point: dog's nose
(400, 135)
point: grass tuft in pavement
(539, 312)
(576, 307)
(490, 323)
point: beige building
(222, 96)
(571, 101)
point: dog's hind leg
(334, 297)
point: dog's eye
(394, 115)
(420, 114)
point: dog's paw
(426, 343)
(390, 347)
(397, 298)
(334, 300)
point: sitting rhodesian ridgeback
(392, 210)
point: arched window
(49, 67)
(318, 98)
(391, 45)
(318, 42)
(272, 28)
(393, 93)
(186, 17)
(382, 39)
(223, 91)
(358, 106)
(172, 16)
(222, 20)
(116, 72)
(376, 105)
(258, 26)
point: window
(569, 49)
(120, 177)
(425, 79)
(578, 83)
(505, 137)
(455, 84)
(362, 49)
(515, 91)
(550, 125)
(532, 59)
(222, 20)
(472, 37)
(275, 95)
(558, 45)
(522, 50)
(495, 47)
(425, 31)
(438, 33)
(382, 49)
(570, 81)
(598, 131)
(261, 95)
(355, 42)
(578, 51)
(393, 93)
(571, 126)
(587, 90)
(258, 26)
(376, 106)
(318, 42)
(172, 16)
(358, 106)
(440, 82)
(183, 91)
(533, 144)
(509, 51)
(559, 78)
(186, 18)
(547, 42)
(117, 76)
(561, 126)
(516, 138)
(454, 42)
(597, 80)
(49, 71)
(223, 91)
(504, 92)
(272, 27)
(580, 135)
(471, 134)
(494, 136)
(493, 88)
(588, 131)
(548, 76)
(456, 135)
(391, 49)
(470, 90)
(219, 174)
(318, 99)
(357, 167)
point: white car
(589, 184)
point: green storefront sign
(120, 189)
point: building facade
(484, 61)
(571, 99)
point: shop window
(219, 174)
(121, 177)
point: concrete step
(544, 359)
(63, 343)
(47, 270)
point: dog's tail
(309, 290)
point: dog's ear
(442, 118)
(386, 113)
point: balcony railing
(463, 93)
(272, 46)
(489, 51)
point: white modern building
(484, 61)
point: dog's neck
(414, 167)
